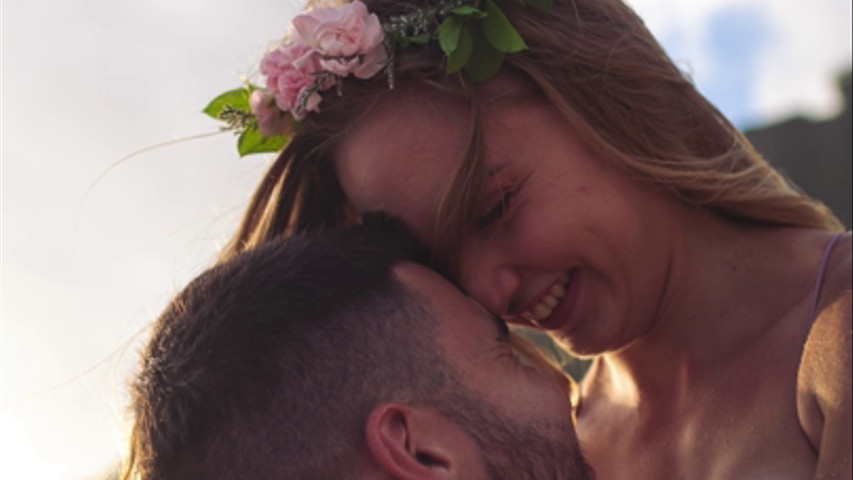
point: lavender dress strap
(819, 282)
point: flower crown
(327, 45)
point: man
(331, 357)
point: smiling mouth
(546, 305)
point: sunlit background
(85, 82)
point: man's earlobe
(419, 443)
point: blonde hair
(599, 66)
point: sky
(86, 82)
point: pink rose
(290, 71)
(348, 39)
(362, 66)
(271, 120)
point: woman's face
(563, 239)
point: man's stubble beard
(513, 450)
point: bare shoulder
(829, 341)
(825, 379)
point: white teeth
(550, 301)
(541, 311)
(558, 290)
(546, 305)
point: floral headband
(327, 45)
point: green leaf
(460, 56)
(485, 61)
(543, 4)
(237, 99)
(448, 34)
(251, 141)
(468, 11)
(421, 39)
(499, 32)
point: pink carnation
(271, 120)
(348, 39)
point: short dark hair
(267, 365)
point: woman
(586, 189)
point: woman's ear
(421, 443)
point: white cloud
(807, 44)
(813, 45)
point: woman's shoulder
(839, 270)
(832, 311)
(829, 339)
(825, 380)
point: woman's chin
(585, 344)
(582, 350)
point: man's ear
(421, 443)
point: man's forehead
(456, 310)
(428, 283)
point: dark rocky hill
(816, 155)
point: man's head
(330, 357)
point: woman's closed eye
(512, 186)
(497, 211)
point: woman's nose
(489, 281)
